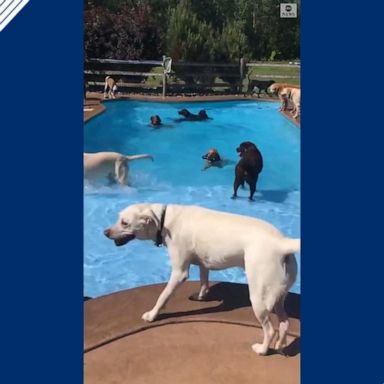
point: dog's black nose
(107, 232)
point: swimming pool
(176, 176)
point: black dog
(248, 168)
(202, 115)
(261, 85)
(155, 120)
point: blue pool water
(176, 176)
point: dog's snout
(107, 232)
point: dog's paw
(260, 349)
(279, 346)
(149, 316)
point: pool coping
(112, 324)
(97, 103)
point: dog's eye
(123, 222)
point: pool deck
(191, 342)
(93, 104)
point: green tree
(187, 37)
(233, 43)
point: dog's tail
(137, 157)
(289, 263)
(290, 246)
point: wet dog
(248, 167)
(216, 240)
(202, 115)
(261, 85)
(110, 165)
(213, 159)
(155, 120)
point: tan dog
(213, 159)
(110, 88)
(217, 240)
(111, 165)
(294, 95)
(277, 89)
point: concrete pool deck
(191, 342)
(93, 104)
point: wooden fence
(154, 76)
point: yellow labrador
(277, 89)
(294, 95)
(111, 165)
(217, 240)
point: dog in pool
(202, 115)
(155, 121)
(110, 165)
(255, 245)
(213, 159)
(248, 167)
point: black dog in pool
(248, 167)
(155, 121)
(202, 115)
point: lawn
(266, 72)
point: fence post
(164, 85)
(242, 73)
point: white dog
(111, 165)
(110, 87)
(217, 240)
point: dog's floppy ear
(147, 219)
(149, 216)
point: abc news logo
(288, 10)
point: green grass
(293, 74)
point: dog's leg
(283, 323)
(238, 181)
(259, 305)
(121, 171)
(204, 281)
(204, 285)
(178, 276)
(262, 315)
(252, 186)
(297, 114)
